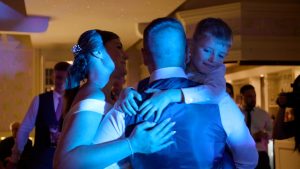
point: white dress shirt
(28, 122)
(214, 84)
(165, 73)
(239, 139)
(260, 121)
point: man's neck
(168, 72)
(59, 92)
(247, 108)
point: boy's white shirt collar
(168, 72)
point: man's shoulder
(260, 110)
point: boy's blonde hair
(215, 27)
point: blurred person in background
(287, 121)
(229, 90)
(45, 115)
(259, 124)
(6, 146)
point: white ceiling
(69, 18)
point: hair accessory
(76, 49)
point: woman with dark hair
(115, 49)
(86, 108)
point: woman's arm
(76, 148)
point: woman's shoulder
(90, 105)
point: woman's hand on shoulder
(157, 136)
(126, 102)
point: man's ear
(145, 54)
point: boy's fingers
(149, 113)
(137, 96)
(124, 109)
(133, 104)
(145, 104)
(145, 110)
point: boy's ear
(189, 49)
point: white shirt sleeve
(214, 85)
(269, 125)
(239, 139)
(26, 127)
(111, 128)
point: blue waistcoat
(43, 151)
(200, 139)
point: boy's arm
(239, 139)
(213, 89)
(214, 85)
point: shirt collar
(56, 95)
(168, 72)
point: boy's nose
(212, 57)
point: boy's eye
(207, 50)
(221, 56)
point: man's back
(199, 140)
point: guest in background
(259, 124)
(287, 121)
(44, 114)
(7, 144)
(229, 90)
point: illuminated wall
(17, 78)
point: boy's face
(209, 53)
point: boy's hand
(126, 102)
(158, 102)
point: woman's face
(208, 53)
(114, 48)
(102, 67)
